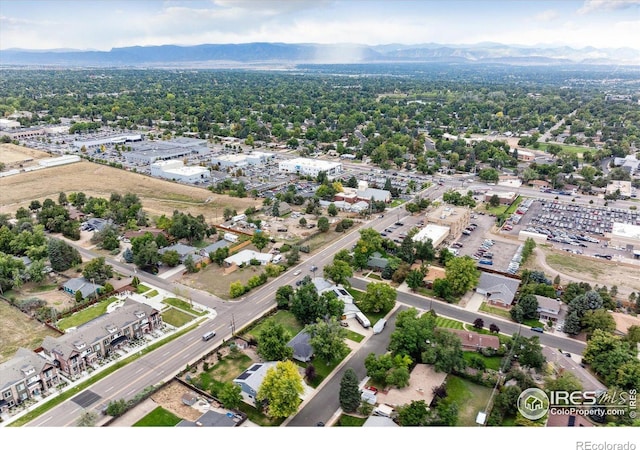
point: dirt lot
(158, 196)
(170, 398)
(19, 330)
(12, 155)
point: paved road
(326, 402)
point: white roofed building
(306, 166)
(437, 234)
(625, 235)
(176, 170)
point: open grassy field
(471, 398)
(158, 196)
(19, 330)
(176, 317)
(87, 314)
(284, 318)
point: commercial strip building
(625, 235)
(148, 152)
(254, 158)
(107, 141)
(176, 170)
(306, 166)
(506, 198)
(454, 217)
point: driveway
(475, 302)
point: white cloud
(547, 15)
(590, 6)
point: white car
(297, 272)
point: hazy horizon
(69, 25)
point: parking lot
(501, 252)
(574, 228)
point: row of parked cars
(471, 228)
(483, 254)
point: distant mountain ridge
(280, 53)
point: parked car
(537, 329)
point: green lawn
(175, 317)
(159, 417)
(44, 288)
(573, 149)
(141, 289)
(151, 294)
(285, 318)
(181, 304)
(504, 209)
(346, 420)
(374, 276)
(230, 367)
(470, 327)
(353, 336)
(470, 398)
(257, 417)
(448, 323)
(491, 362)
(323, 369)
(85, 315)
(496, 311)
(533, 323)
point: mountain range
(263, 53)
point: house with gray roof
(77, 349)
(377, 262)
(86, 288)
(24, 377)
(302, 350)
(550, 309)
(211, 248)
(498, 290)
(183, 251)
(377, 195)
(379, 421)
(251, 379)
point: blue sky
(104, 24)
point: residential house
(476, 341)
(85, 287)
(377, 195)
(251, 379)
(497, 289)
(568, 420)
(302, 350)
(95, 224)
(434, 273)
(379, 421)
(183, 250)
(350, 308)
(377, 262)
(73, 352)
(25, 376)
(211, 248)
(540, 184)
(550, 309)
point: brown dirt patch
(158, 196)
(170, 398)
(13, 155)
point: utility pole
(233, 325)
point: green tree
(494, 201)
(413, 333)
(598, 319)
(349, 391)
(116, 408)
(97, 270)
(332, 210)
(462, 274)
(339, 272)
(190, 264)
(281, 389)
(230, 395)
(272, 342)
(171, 258)
(284, 294)
(379, 297)
(445, 353)
(566, 381)
(62, 256)
(327, 339)
(415, 279)
(87, 419)
(260, 240)
(529, 305)
(605, 353)
(147, 255)
(236, 289)
(323, 224)
(219, 255)
(414, 414)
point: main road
(165, 362)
